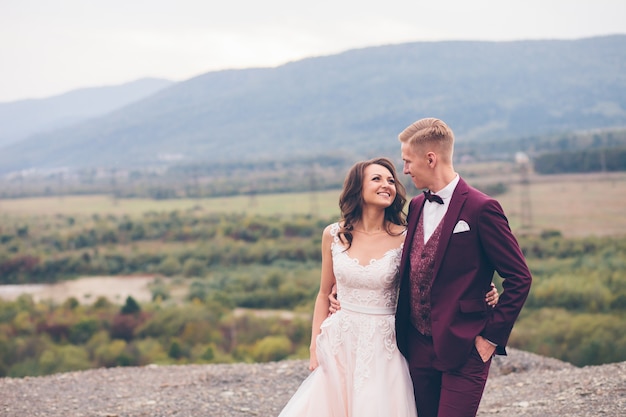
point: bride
(357, 369)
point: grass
(576, 205)
(321, 203)
(557, 202)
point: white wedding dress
(361, 372)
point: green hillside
(353, 102)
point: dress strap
(334, 232)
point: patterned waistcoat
(421, 278)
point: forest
(217, 273)
(573, 152)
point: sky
(48, 47)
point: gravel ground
(521, 384)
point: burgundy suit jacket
(464, 268)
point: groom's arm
(503, 251)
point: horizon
(69, 45)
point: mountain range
(354, 102)
(24, 118)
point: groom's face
(415, 165)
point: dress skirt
(361, 372)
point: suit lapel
(449, 221)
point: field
(576, 205)
(320, 203)
(217, 283)
(557, 202)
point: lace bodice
(374, 285)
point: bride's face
(379, 186)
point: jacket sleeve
(502, 250)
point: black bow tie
(432, 197)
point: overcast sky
(48, 47)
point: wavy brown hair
(351, 199)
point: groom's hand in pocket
(484, 347)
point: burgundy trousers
(440, 393)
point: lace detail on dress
(361, 373)
(372, 285)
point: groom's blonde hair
(430, 134)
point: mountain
(355, 102)
(20, 119)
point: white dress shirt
(434, 212)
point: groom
(456, 238)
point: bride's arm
(321, 302)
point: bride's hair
(351, 199)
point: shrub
(194, 268)
(82, 331)
(271, 348)
(169, 266)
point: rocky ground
(521, 384)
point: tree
(131, 306)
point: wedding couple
(413, 332)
